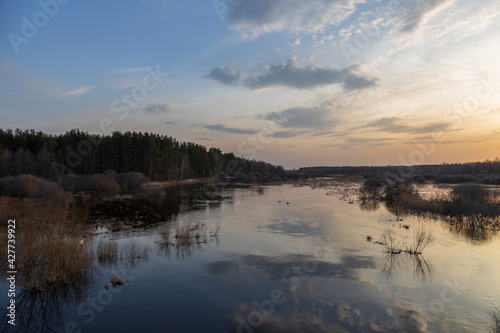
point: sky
(292, 82)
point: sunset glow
(294, 83)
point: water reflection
(475, 227)
(290, 266)
(395, 264)
(153, 205)
(323, 315)
(369, 205)
(42, 311)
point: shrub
(491, 180)
(419, 179)
(33, 187)
(131, 180)
(469, 199)
(400, 193)
(372, 187)
(455, 179)
(96, 182)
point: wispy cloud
(287, 134)
(396, 125)
(231, 130)
(257, 17)
(78, 92)
(422, 10)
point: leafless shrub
(214, 233)
(421, 239)
(395, 244)
(392, 241)
(495, 317)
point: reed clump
(185, 234)
(107, 252)
(50, 250)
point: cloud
(371, 141)
(157, 108)
(203, 139)
(420, 11)
(296, 43)
(302, 117)
(291, 76)
(396, 125)
(225, 129)
(286, 134)
(257, 17)
(78, 92)
(224, 75)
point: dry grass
(107, 252)
(132, 254)
(50, 250)
(186, 238)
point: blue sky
(296, 83)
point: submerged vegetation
(470, 208)
(50, 249)
(395, 244)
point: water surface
(287, 259)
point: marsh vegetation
(468, 207)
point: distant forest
(428, 171)
(159, 157)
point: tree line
(432, 170)
(160, 157)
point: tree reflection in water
(42, 311)
(395, 264)
(369, 205)
(495, 316)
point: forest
(445, 172)
(159, 157)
